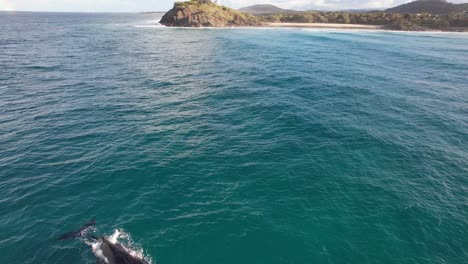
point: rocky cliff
(204, 13)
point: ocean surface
(231, 145)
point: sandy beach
(323, 25)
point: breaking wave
(154, 23)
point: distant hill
(263, 9)
(437, 7)
(361, 10)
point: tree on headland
(204, 13)
(388, 20)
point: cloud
(161, 5)
(6, 5)
(88, 5)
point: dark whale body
(116, 253)
(109, 253)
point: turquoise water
(232, 145)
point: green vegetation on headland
(204, 13)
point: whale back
(117, 254)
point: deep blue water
(232, 145)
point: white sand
(322, 25)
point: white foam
(96, 247)
(149, 24)
(124, 239)
(113, 238)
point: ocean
(237, 145)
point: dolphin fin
(77, 233)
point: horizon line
(136, 12)
(97, 12)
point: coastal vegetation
(204, 13)
(387, 20)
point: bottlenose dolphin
(105, 251)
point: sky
(163, 5)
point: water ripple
(245, 145)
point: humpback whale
(106, 251)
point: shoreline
(331, 26)
(356, 27)
(323, 25)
